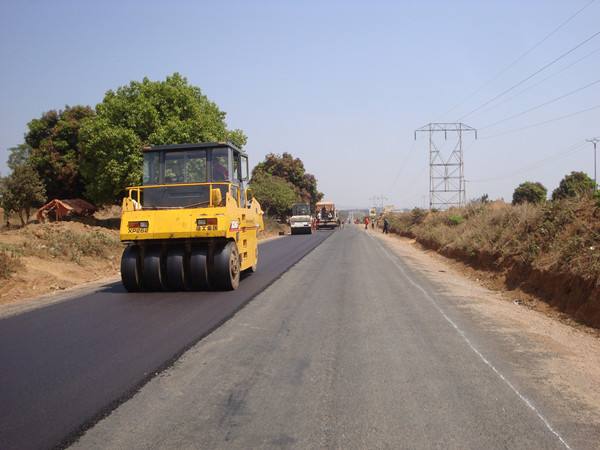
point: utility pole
(446, 173)
(595, 142)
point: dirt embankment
(551, 251)
(44, 258)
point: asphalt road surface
(350, 349)
(65, 365)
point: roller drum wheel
(198, 275)
(130, 269)
(152, 272)
(177, 271)
(226, 273)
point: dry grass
(9, 263)
(553, 249)
(61, 240)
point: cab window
(220, 164)
(196, 166)
(236, 167)
(151, 168)
(174, 167)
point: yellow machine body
(232, 221)
(193, 223)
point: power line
(560, 97)
(520, 57)
(529, 77)
(403, 163)
(531, 86)
(534, 165)
(556, 119)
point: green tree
(21, 191)
(139, 114)
(18, 156)
(55, 151)
(576, 184)
(292, 170)
(529, 192)
(276, 195)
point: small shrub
(576, 184)
(530, 192)
(418, 215)
(455, 219)
(9, 264)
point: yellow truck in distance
(193, 222)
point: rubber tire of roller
(198, 275)
(226, 276)
(130, 269)
(153, 277)
(177, 271)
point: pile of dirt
(273, 228)
(550, 250)
(41, 258)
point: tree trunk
(22, 218)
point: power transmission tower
(378, 199)
(594, 141)
(446, 172)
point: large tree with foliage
(292, 170)
(276, 195)
(576, 184)
(18, 155)
(21, 191)
(145, 113)
(54, 152)
(529, 192)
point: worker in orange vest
(366, 222)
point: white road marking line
(466, 339)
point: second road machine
(327, 216)
(301, 221)
(193, 222)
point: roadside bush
(531, 192)
(418, 215)
(455, 219)
(576, 184)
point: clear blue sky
(340, 84)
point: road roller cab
(193, 222)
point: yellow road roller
(193, 223)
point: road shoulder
(567, 357)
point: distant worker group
(386, 224)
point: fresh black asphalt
(64, 366)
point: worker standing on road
(366, 222)
(386, 226)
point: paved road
(350, 349)
(63, 366)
